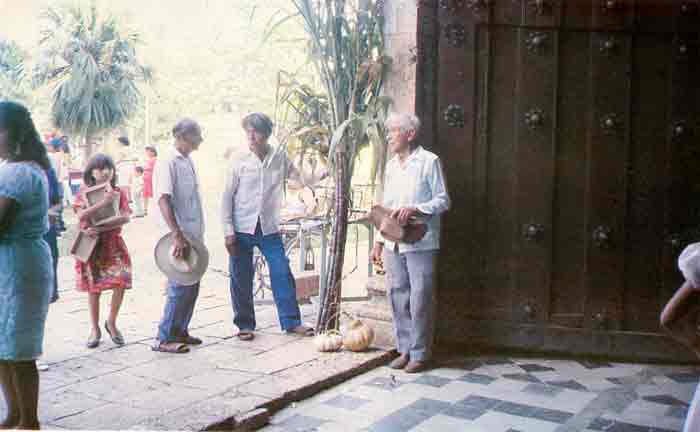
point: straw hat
(183, 271)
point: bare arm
(166, 208)
(678, 308)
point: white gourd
(328, 341)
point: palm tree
(12, 83)
(91, 64)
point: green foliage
(12, 60)
(90, 63)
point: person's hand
(404, 214)
(231, 244)
(377, 253)
(182, 246)
(110, 196)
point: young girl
(109, 266)
(679, 319)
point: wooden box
(83, 246)
(307, 284)
(105, 215)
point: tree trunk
(329, 309)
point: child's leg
(94, 300)
(672, 317)
(115, 306)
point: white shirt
(254, 191)
(176, 176)
(419, 183)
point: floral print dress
(109, 265)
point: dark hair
(24, 141)
(99, 161)
(151, 149)
(124, 140)
(258, 121)
(184, 127)
(139, 169)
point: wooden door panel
(498, 221)
(606, 206)
(534, 152)
(568, 288)
(655, 16)
(651, 58)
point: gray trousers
(410, 278)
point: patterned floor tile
(299, 423)
(466, 412)
(477, 378)
(401, 420)
(532, 367)
(528, 411)
(385, 383)
(523, 377)
(600, 424)
(686, 377)
(347, 402)
(429, 406)
(431, 380)
(664, 400)
(594, 364)
(444, 423)
(678, 411)
(569, 384)
(543, 390)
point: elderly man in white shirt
(251, 206)
(414, 186)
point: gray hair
(404, 121)
(258, 121)
(185, 126)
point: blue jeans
(178, 312)
(281, 279)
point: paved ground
(475, 394)
(134, 388)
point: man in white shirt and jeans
(251, 206)
(414, 186)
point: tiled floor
(502, 395)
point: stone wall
(400, 30)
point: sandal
(93, 342)
(245, 335)
(301, 330)
(117, 337)
(191, 340)
(171, 347)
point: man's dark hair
(124, 140)
(258, 121)
(139, 169)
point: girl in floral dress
(109, 266)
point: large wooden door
(570, 135)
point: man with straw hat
(180, 254)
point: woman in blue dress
(26, 271)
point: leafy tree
(12, 83)
(91, 64)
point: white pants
(692, 421)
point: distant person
(26, 278)
(137, 188)
(109, 266)
(250, 206)
(148, 166)
(65, 176)
(125, 164)
(414, 187)
(58, 163)
(180, 203)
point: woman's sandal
(93, 342)
(171, 347)
(245, 335)
(117, 337)
(301, 330)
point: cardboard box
(307, 284)
(105, 215)
(83, 246)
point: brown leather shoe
(399, 362)
(415, 367)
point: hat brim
(161, 255)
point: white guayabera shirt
(419, 183)
(254, 190)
